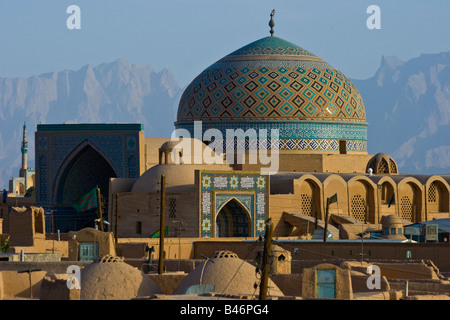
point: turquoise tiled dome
(271, 46)
(273, 83)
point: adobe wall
(139, 213)
(17, 285)
(54, 287)
(26, 225)
(168, 282)
(194, 248)
(174, 248)
(292, 161)
(51, 267)
(406, 271)
(31, 257)
(421, 287)
(151, 150)
(279, 203)
(438, 253)
(359, 282)
(287, 161)
(105, 242)
(343, 283)
(44, 246)
(5, 208)
(117, 185)
(346, 163)
(289, 284)
(14, 285)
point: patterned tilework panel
(216, 189)
(286, 129)
(292, 135)
(271, 90)
(121, 151)
(289, 144)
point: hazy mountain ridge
(408, 110)
(111, 92)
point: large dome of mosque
(271, 79)
(272, 83)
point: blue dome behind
(272, 83)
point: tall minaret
(24, 150)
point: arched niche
(233, 220)
(335, 184)
(82, 171)
(31, 180)
(20, 189)
(437, 195)
(308, 189)
(310, 198)
(410, 200)
(361, 199)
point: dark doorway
(342, 146)
(87, 169)
(233, 221)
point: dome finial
(271, 22)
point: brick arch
(437, 195)
(335, 184)
(410, 200)
(362, 192)
(309, 190)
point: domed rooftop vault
(274, 84)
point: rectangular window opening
(139, 227)
(342, 146)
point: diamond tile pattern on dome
(274, 84)
(271, 46)
(307, 94)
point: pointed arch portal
(233, 221)
(85, 170)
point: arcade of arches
(363, 198)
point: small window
(87, 251)
(400, 231)
(138, 227)
(342, 146)
(392, 231)
(172, 207)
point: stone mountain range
(408, 110)
(111, 92)
(407, 107)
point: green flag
(86, 202)
(332, 199)
(156, 234)
(392, 200)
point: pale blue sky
(186, 36)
